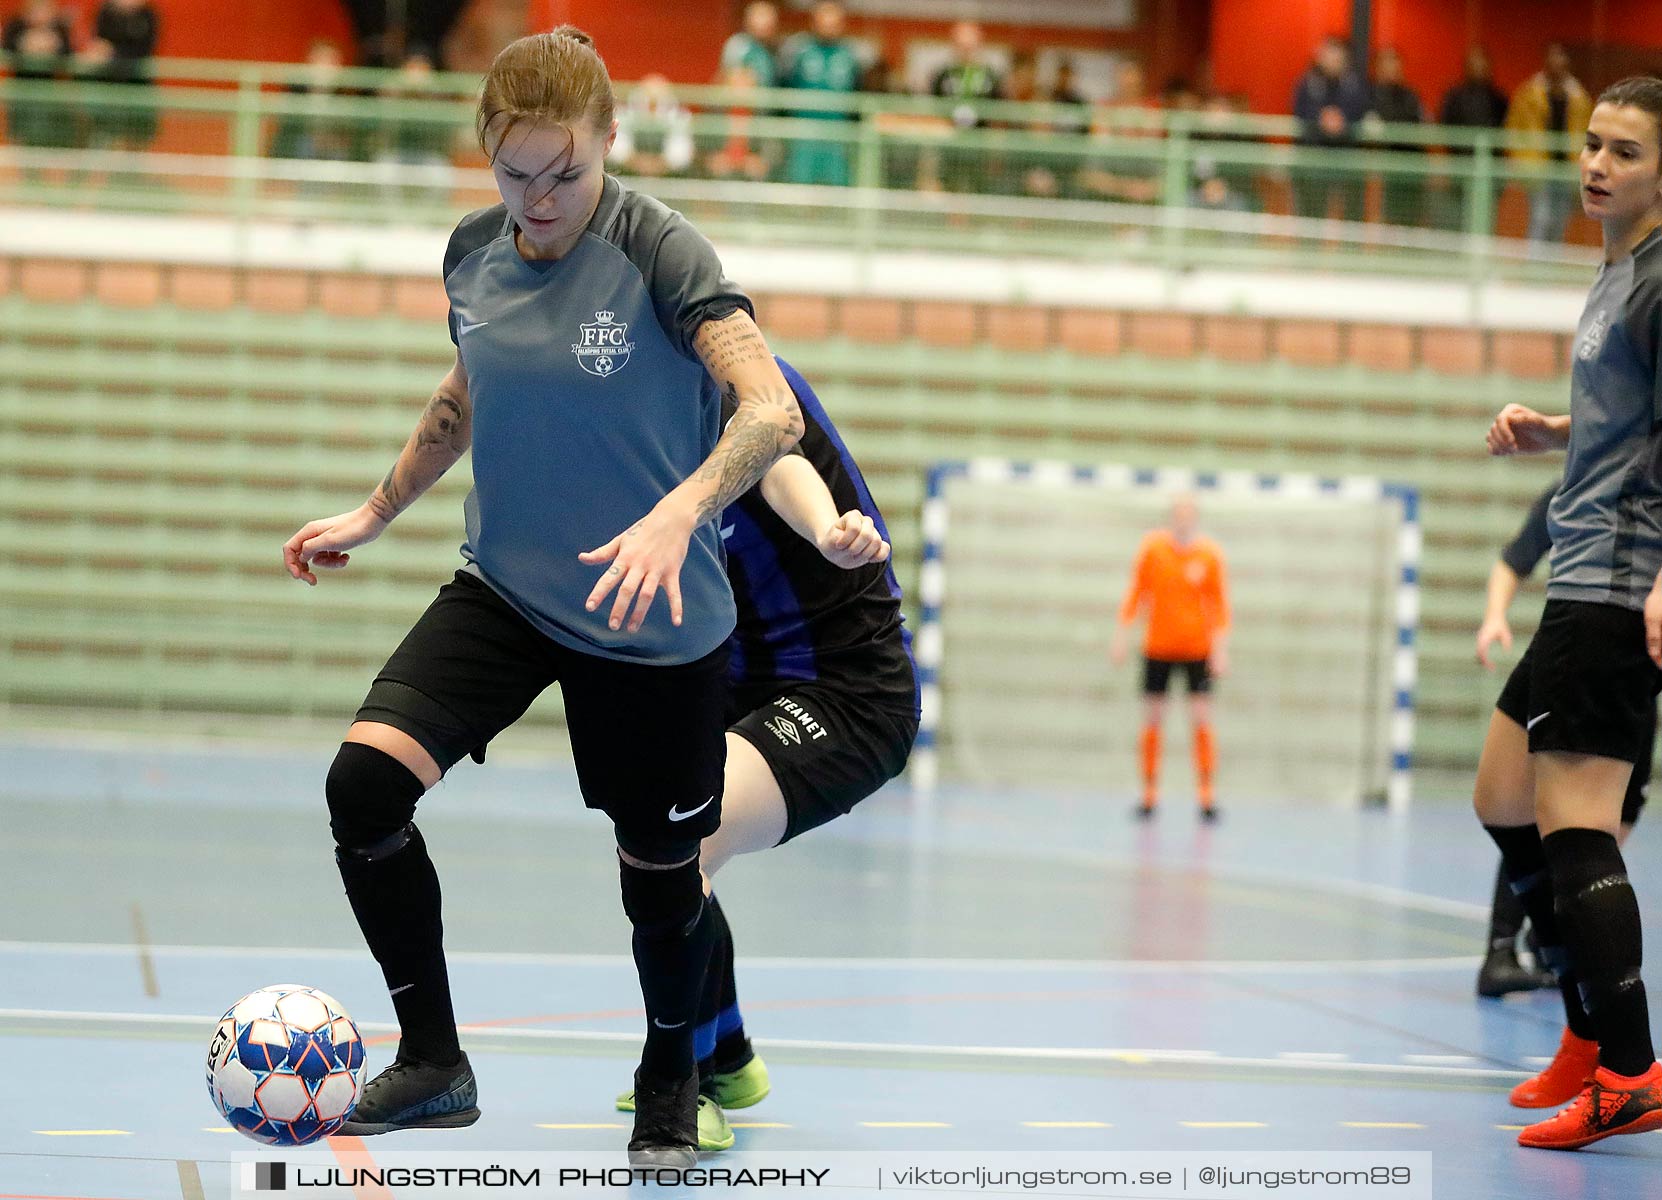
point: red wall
(1260, 47)
(260, 30)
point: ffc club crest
(605, 345)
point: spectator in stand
(1064, 89)
(1033, 173)
(741, 156)
(1125, 120)
(1552, 101)
(1402, 193)
(417, 149)
(318, 130)
(1218, 183)
(1473, 103)
(967, 78)
(38, 36)
(1330, 101)
(754, 47)
(654, 131)
(124, 41)
(823, 60)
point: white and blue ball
(286, 1065)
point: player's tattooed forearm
(755, 438)
(385, 501)
(729, 342)
(438, 441)
(443, 424)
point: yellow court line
(758, 1125)
(1224, 1124)
(1067, 1124)
(601, 1125)
(906, 1125)
(84, 1132)
(1511, 1128)
(217, 1129)
(1382, 1125)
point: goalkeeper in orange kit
(1179, 577)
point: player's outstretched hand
(645, 557)
(1520, 430)
(324, 543)
(1653, 623)
(1493, 629)
(853, 541)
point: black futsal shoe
(1502, 974)
(411, 1094)
(666, 1122)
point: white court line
(1439, 1060)
(1102, 966)
(1123, 1055)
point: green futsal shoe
(738, 1088)
(714, 1133)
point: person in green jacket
(825, 61)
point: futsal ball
(286, 1065)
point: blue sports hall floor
(1015, 972)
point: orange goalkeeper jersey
(1183, 587)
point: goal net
(1025, 565)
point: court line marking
(1132, 966)
(190, 1180)
(83, 1132)
(352, 1154)
(147, 964)
(1135, 1057)
(1437, 1060)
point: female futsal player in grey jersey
(1576, 715)
(596, 339)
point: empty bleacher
(165, 429)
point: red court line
(351, 1153)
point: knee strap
(662, 904)
(372, 799)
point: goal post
(1025, 563)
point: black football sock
(1525, 862)
(396, 900)
(1600, 919)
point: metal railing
(1182, 178)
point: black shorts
(827, 746)
(1157, 675)
(1587, 686)
(648, 741)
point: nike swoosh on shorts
(1534, 721)
(675, 814)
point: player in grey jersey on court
(596, 338)
(1574, 717)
